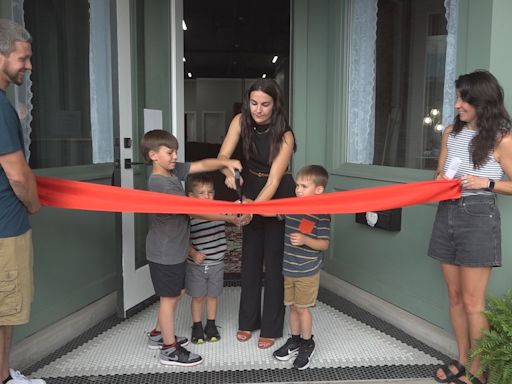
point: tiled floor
(351, 344)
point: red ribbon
(60, 193)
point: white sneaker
(18, 378)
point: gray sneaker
(179, 356)
(156, 341)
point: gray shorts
(204, 280)
(467, 232)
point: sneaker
(197, 333)
(179, 356)
(211, 331)
(18, 378)
(288, 350)
(156, 341)
(306, 350)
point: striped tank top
(458, 146)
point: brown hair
(153, 140)
(316, 173)
(278, 122)
(197, 179)
(482, 90)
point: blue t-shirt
(301, 260)
(13, 214)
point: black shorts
(168, 280)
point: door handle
(128, 163)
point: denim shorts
(467, 232)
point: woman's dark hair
(482, 91)
(278, 122)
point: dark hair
(481, 89)
(153, 140)
(278, 122)
(10, 33)
(196, 179)
(316, 173)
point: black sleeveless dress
(262, 248)
(257, 167)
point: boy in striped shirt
(306, 238)
(205, 264)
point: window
(68, 121)
(401, 81)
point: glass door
(149, 85)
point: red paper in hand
(306, 226)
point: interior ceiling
(236, 38)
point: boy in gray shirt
(167, 241)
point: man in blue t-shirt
(18, 199)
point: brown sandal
(265, 342)
(243, 335)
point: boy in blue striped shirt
(306, 238)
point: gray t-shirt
(168, 237)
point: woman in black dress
(267, 145)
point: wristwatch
(491, 184)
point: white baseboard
(39, 345)
(422, 330)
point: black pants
(263, 244)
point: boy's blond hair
(153, 140)
(316, 173)
(197, 179)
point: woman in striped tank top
(466, 237)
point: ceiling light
(264, 75)
(184, 25)
(189, 74)
(184, 60)
(274, 59)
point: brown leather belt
(261, 174)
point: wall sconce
(433, 120)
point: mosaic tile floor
(351, 345)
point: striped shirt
(301, 260)
(459, 146)
(209, 238)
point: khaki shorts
(301, 291)
(16, 280)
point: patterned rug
(234, 253)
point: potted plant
(495, 347)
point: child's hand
(232, 218)
(198, 257)
(232, 164)
(230, 181)
(243, 220)
(297, 238)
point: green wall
(392, 266)
(75, 255)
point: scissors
(238, 185)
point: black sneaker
(211, 331)
(197, 333)
(288, 350)
(306, 350)
(156, 341)
(179, 356)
